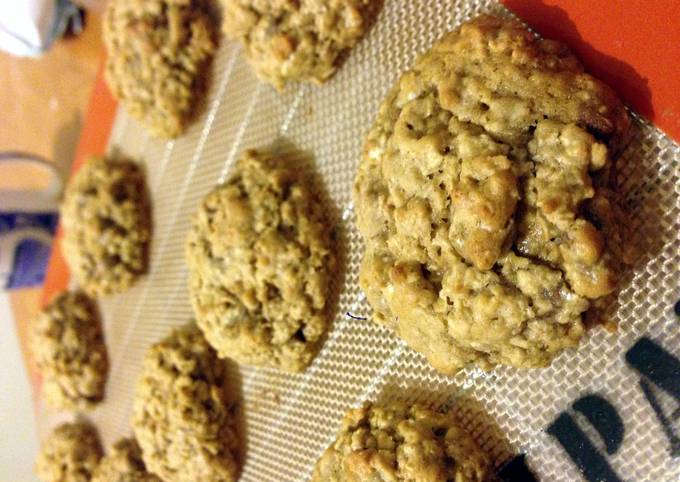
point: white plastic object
(31, 200)
(29, 27)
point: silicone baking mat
(607, 411)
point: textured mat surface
(290, 419)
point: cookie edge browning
(611, 126)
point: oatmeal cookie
(475, 199)
(70, 454)
(107, 225)
(159, 52)
(182, 418)
(397, 442)
(68, 347)
(261, 259)
(123, 464)
(299, 40)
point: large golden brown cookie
(107, 225)
(401, 443)
(71, 453)
(481, 200)
(68, 347)
(158, 55)
(298, 40)
(182, 416)
(261, 259)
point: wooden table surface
(42, 106)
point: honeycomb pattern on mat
(291, 418)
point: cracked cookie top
(261, 259)
(482, 199)
(399, 443)
(181, 415)
(123, 464)
(107, 225)
(158, 55)
(68, 347)
(70, 453)
(298, 40)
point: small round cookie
(123, 464)
(398, 442)
(71, 453)
(107, 225)
(261, 258)
(182, 418)
(68, 347)
(159, 52)
(300, 40)
(481, 200)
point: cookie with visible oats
(123, 464)
(299, 40)
(159, 52)
(261, 259)
(70, 453)
(67, 344)
(482, 199)
(398, 442)
(107, 225)
(182, 416)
